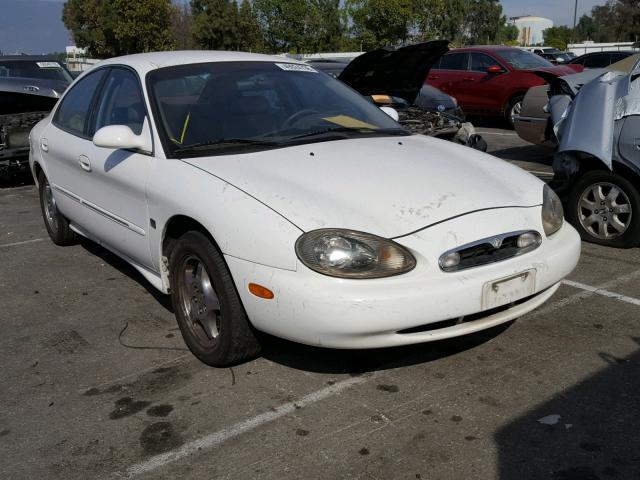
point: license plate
(508, 289)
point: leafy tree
(325, 26)
(250, 35)
(377, 23)
(118, 27)
(284, 23)
(182, 27)
(557, 37)
(508, 34)
(615, 21)
(483, 21)
(215, 24)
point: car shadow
(588, 432)
(356, 362)
(18, 180)
(528, 153)
(126, 269)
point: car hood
(388, 186)
(397, 72)
(556, 70)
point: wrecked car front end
(594, 120)
(395, 78)
(23, 103)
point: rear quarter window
(73, 113)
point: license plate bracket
(506, 290)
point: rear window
(43, 70)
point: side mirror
(494, 69)
(122, 137)
(392, 112)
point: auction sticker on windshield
(295, 67)
(508, 289)
(48, 64)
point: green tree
(250, 37)
(325, 26)
(182, 27)
(118, 27)
(557, 37)
(376, 23)
(215, 24)
(284, 24)
(508, 34)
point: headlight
(347, 254)
(552, 211)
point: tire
(208, 309)
(605, 208)
(57, 225)
(514, 107)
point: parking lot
(97, 382)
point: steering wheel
(293, 119)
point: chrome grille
(490, 250)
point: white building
(531, 29)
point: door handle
(84, 162)
(44, 144)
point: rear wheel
(513, 110)
(57, 225)
(605, 208)
(208, 308)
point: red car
(492, 80)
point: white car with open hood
(266, 196)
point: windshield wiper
(358, 131)
(224, 142)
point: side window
(597, 61)
(73, 113)
(121, 102)
(454, 61)
(480, 62)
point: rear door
(64, 143)
(448, 75)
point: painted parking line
(502, 134)
(15, 244)
(239, 428)
(604, 293)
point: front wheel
(208, 308)
(57, 225)
(605, 208)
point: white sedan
(264, 195)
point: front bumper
(317, 310)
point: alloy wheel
(200, 301)
(604, 210)
(50, 208)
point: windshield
(45, 70)
(521, 59)
(219, 107)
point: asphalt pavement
(96, 381)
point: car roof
(492, 48)
(145, 62)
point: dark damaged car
(394, 77)
(29, 88)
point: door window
(597, 61)
(480, 62)
(121, 102)
(454, 61)
(73, 113)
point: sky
(560, 11)
(35, 26)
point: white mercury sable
(264, 195)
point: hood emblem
(31, 88)
(441, 108)
(496, 242)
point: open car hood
(398, 72)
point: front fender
(242, 226)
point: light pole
(575, 14)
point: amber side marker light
(260, 291)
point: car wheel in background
(207, 306)
(57, 226)
(514, 108)
(605, 208)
